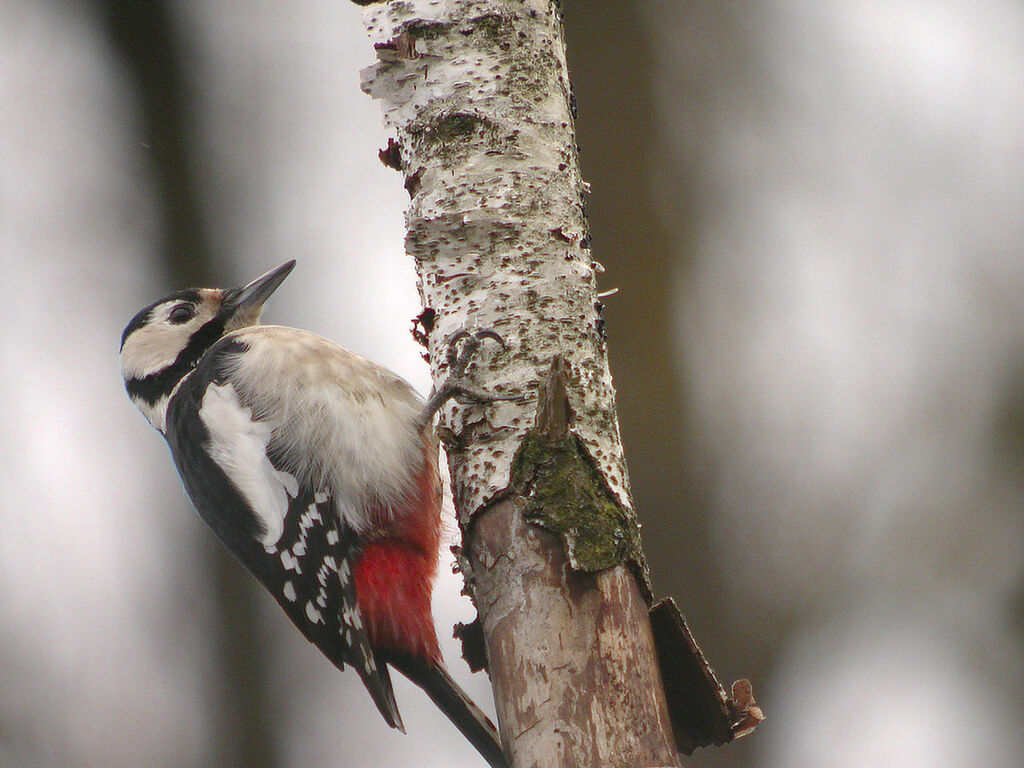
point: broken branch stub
(702, 713)
(563, 491)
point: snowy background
(814, 215)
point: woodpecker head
(164, 342)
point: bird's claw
(456, 386)
(458, 362)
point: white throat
(156, 414)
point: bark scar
(565, 492)
(400, 47)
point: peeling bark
(478, 96)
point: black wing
(308, 568)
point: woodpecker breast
(283, 406)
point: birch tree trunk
(478, 96)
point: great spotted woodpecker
(317, 469)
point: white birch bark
(496, 225)
(477, 94)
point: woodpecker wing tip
(378, 682)
(389, 709)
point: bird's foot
(462, 348)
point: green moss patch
(566, 494)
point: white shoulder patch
(238, 443)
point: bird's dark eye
(181, 314)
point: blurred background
(813, 214)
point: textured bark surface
(570, 653)
(478, 96)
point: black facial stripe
(154, 386)
(140, 319)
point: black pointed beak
(248, 301)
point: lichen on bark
(565, 494)
(558, 486)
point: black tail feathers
(457, 706)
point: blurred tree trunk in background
(149, 45)
(611, 63)
(648, 258)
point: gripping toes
(462, 348)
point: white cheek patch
(150, 350)
(238, 444)
(155, 345)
